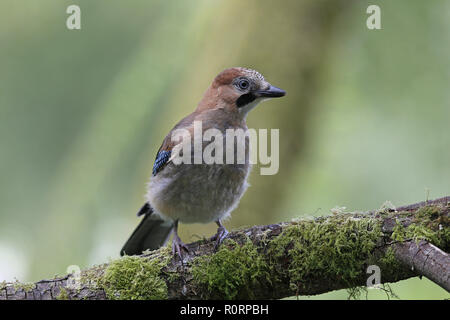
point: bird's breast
(202, 192)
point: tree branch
(301, 257)
(427, 260)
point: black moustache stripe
(245, 99)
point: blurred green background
(83, 112)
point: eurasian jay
(193, 192)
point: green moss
(232, 271)
(93, 277)
(413, 232)
(63, 294)
(338, 247)
(430, 223)
(390, 265)
(134, 278)
(26, 286)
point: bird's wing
(163, 155)
(166, 151)
(161, 160)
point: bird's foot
(178, 246)
(220, 236)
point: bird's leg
(221, 234)
(177, 244)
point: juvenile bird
(198, 192)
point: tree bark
(405, 242)
(427, 260)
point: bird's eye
(243, 84)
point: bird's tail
(152, 233)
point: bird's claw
(177, 247)
(220, 236)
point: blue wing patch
(161, 159)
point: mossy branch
(301, 257)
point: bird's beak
(271, 92)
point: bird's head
(239, 90)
